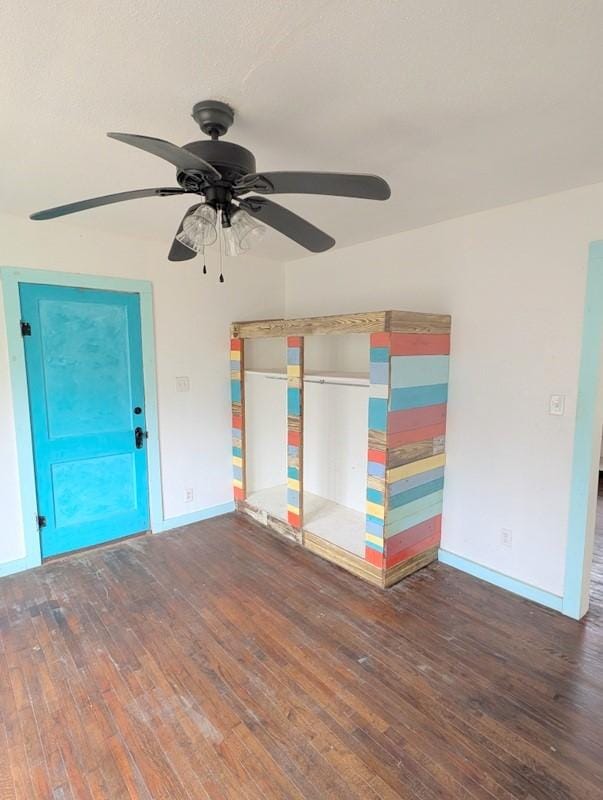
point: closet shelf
(317, 376)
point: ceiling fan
(234, 203)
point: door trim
(587, 444)
(10, 278)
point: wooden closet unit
(405, 379)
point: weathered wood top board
(365, 322)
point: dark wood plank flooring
(220, 662)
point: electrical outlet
(506, 537)
(188, 496)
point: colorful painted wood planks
(413, 451)
(412, 515)
(407, 371)
(237, 391)
(415, 468)
(410, 482)
(420, 344)
(400, 438)
(418, 533)
(295, 404)
(411, 419)
(377, 448)
(415, 429)
(418, 397)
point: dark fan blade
(179, 251)
(285, 221)
(339, 184)
(177, 156)
(105, 200)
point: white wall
(513, 279)
(265, 430)
(335, 418)
(265, 414)
(341, 353)
(335, 452)
(192, 317)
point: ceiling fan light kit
(199, 228)
(224, 175)
(247, 230)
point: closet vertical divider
(295, 431)
(237, 394)
(376, 494)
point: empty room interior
(300, 489)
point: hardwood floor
(219, 662)
(596, 589)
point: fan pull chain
(221, 247)
(204, 264)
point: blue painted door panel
(84, 375)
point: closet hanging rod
(318, 380)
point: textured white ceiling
(462, 105)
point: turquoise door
(83, 354)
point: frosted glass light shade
(199, 228)
(231, 244)
(248, 232)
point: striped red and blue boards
(407, 425)
(237, 388)
(376, 492)
(295, 402)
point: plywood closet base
(270, 521)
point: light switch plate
(557, 405)
(183, 384)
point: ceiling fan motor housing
(231, 160)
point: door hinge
(41, 522)
(25, 328)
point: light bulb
(247, 231)
(199, 228)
